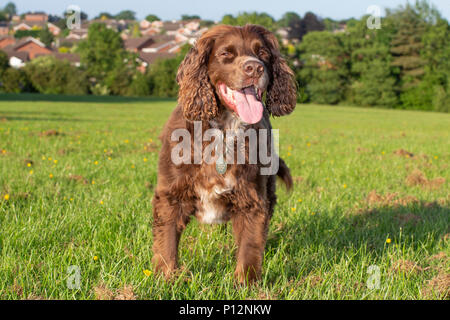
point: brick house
(37, 25)
(6, 41)
(36, 17)
(30, 45)
(4, 29)
(139, 44)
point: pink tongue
(248, 107)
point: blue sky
(214, 9)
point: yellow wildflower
(95, 258)
(6, 197)
(388, 240)
(147, 273)
(51, 176)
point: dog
(223, 82)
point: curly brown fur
(242, 195)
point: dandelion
(71, 199)
(96, 162)
(55, 162)
(147, 273)
(109, 158)
(3, 151)
(127, 141)
(313, 213)
(31, 172)
(344, 186)
(145, 160)
(293, 209)
(51, 176)
(28, 164)
(101, 202)
(289, 154)
(308, 144)
(105, 151)
(6, 197)
(436, 157)
(44, 157)
(95, 258)
(383, 152)
(388, 240)
(132, 166)
(49, 158)
(93, 182)
(299, 200)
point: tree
(136, 31)
(372, 80)
(4, 62)
(51, 76)
(325, 70)
(46, 36)
(3, 16)
(101, 50)
(407, 44)
(152, 17)
(10, 9)
(244, 18)
(126, 15)
(311, 22)
(185, 17)
(103, 16)
(14, 81)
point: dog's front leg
(168, 224)
(250, 232)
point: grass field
(77, 178)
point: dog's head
(237, 66)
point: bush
(162, 77)
(14, 81)
(51, 76)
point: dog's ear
(196, 95)
(281, 97)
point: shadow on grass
(329, 237)
(71, 98)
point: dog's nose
(253, 69)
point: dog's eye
(226, 54)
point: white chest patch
(211, 208)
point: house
(6, 41)
(138, 44)
(77, 34)
(4, 29)
(36, 17)
(148, 58)
(17, 59)
(171, 27)
(150, 31)
(72, 58)
(30, 45)
(37, 25)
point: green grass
(322, 240)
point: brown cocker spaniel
(223, 81)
